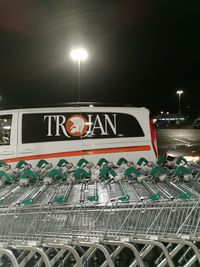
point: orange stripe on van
(82, 153)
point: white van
(76, 131)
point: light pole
(179, 92)
(78, 55)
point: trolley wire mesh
(177, 219)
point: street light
(78, 55)
(179, 92)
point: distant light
(91, 106)
(162, 112)
(167, 113)
(7, 127)
(78, 54)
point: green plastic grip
(80, 173)
(106, 172)
(41, 163)
(121, 161)
(141, 161)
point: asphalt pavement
(175, 137)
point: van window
(5, 129)
(41, 127)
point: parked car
(196, 124)
(162, 123)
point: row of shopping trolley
(123, 181)
(123, 234)
(104, 214)
(112, 253)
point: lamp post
(179, 92)
(78, 55)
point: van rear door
(115, 132)
(8, 136)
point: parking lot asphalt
(175, 137)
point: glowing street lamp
(78, 55)
(179, 92)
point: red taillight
(153, 137)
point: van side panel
(90, 132)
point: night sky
(140, 52)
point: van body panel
(8, 134)
(75, 132)
(39, 150)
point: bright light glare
(179, 92)
(79, 54)
(194, 158)
(7, 127)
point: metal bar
(13, 220)
(114, 254)
(190, 190)
(100, 247)
(90, 256)
(38, 250)
(10, 255)
(108, 219)
(196, 227)
(65, 221)
(187, 217)
(27, 259)
(40, 262)
(125, 219)
(168, 219)
(94, 222)
(164, 191)
(70, 249)
(57, 256)
(62, 264)
(185, 254)
(172, 254)
(185, 243)
(84, 257)
(191, 261)
(146, 249)
(131, 247)
(136, 253)
(158, 244)
(32, 223)
(155, 219)
(21, 256)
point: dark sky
(140, 52)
